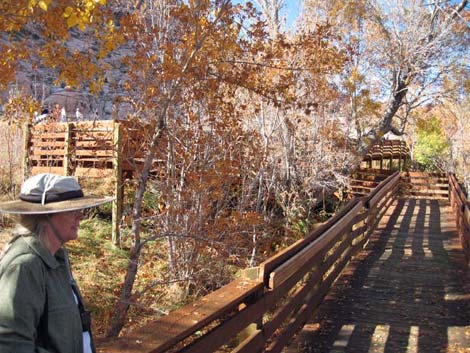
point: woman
(41, 309)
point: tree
(271, 10)
(454, 110)
(37, 34)
(176, 72)
(404, 45)
(432, 148)
(192, 74)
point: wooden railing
(461, 208)
(264, 308)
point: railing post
(399, 156)
(252, 273)
(381, 155)
(26, 149)
(68, 148)
(118, 182)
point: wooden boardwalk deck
(408, 291)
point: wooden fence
(265, 307)
(461, 208)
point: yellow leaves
(356, 76)
(81, 16)
(19, 107)
(68, 12)
(42, 4)
(71, 17)
(110, 39)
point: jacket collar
(39, 249)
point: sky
(290, 10)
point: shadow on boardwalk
(408, 291)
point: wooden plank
(359, 231)
(46, 158)
(95, 125)
(425, 174)
(183, 322)
(284, 271)
(381, 185)
(253, 344)
(440, 182)
(97, 144)
(93, 135)
(40, 143)
(428, 191)
(337, 254)
(98, 160)
(293, 326)
(375, 172)
(388, 184)
(429, 188)
(54, 170)
(57, 152)
(372, 182)
(44, 129)
(94, 153)
(44, 136)
(363, 189)
(429, 194)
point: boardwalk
(408, 291)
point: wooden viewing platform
(408, 291)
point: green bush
(432, 148)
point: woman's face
(67, 224)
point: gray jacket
(38, 312)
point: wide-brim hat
(48, 193)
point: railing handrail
(461, 207)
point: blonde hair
(32, 224)
(28, 225)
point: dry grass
(11, 159)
